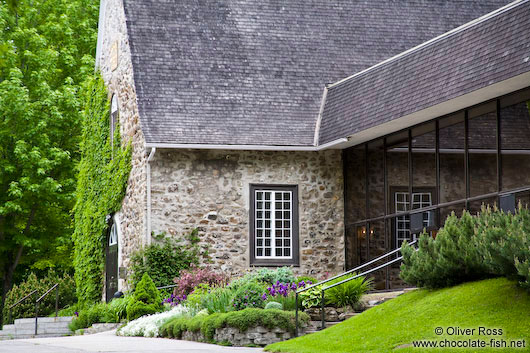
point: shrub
(348, 293)
(492, 243)
(306, 280)
(96, 313)
(192, 278)
(249, 295)
(454, 257)
(164, 259)
(312, 297)
(146, 299)
(67, 295)
(242, 320)
(218, 300)
(149, 326)
(274, 305)
(266, 275)
(271, 276)
(119, 307)
(69, 310)
(196, 298)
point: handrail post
(296, 315)
(36, 316)
(323, 312)
(56, 301)
(10, 316)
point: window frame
(393, 191)
(114, 117)
(295, 242)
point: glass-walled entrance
(411, 180)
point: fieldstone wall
(115, 64)
(209, 189)
(259, 335)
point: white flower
(149, 325)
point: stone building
(236, 130)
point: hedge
(242, 320)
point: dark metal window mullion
(367, 201)
(466, 157)
(385, 230)
(499, 148)
(437, 158)
(411, 171)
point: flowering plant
(174, 300)
(192, 278)
(284, 293)
(149, 326)
(285, 289)
(248, 295)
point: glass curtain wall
(515, 144)
(418, 176)
(452, 157)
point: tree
(46, 51)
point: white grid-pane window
(273, 224)
(401, 203)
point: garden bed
(250, 326)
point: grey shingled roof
(482, 54)
(252, 72)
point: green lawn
(393, 326)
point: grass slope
(393, 326)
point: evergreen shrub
(67, 295)
(493, 243)
(146, 299)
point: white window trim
(402, 223)
(273, 225)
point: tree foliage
(165, 259)
(102, 180)
(46, 50)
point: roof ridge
(432, 41)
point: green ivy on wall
(101, 185)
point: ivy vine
(101, 185)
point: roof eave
(336, 144)
(456, 104)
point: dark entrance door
(111, 263)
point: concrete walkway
(109, 342)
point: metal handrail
(48, 291)
(56, 287)
(440, 205)
(168, 286)
(20, 301)
(388, 263)
(355, 269)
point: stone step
(42, 324)
(8, 328)
(41, 329)
(46, 327)
(10, 337)
(45, 319)
(318, 324)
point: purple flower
(76, 313)
(264, 296)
